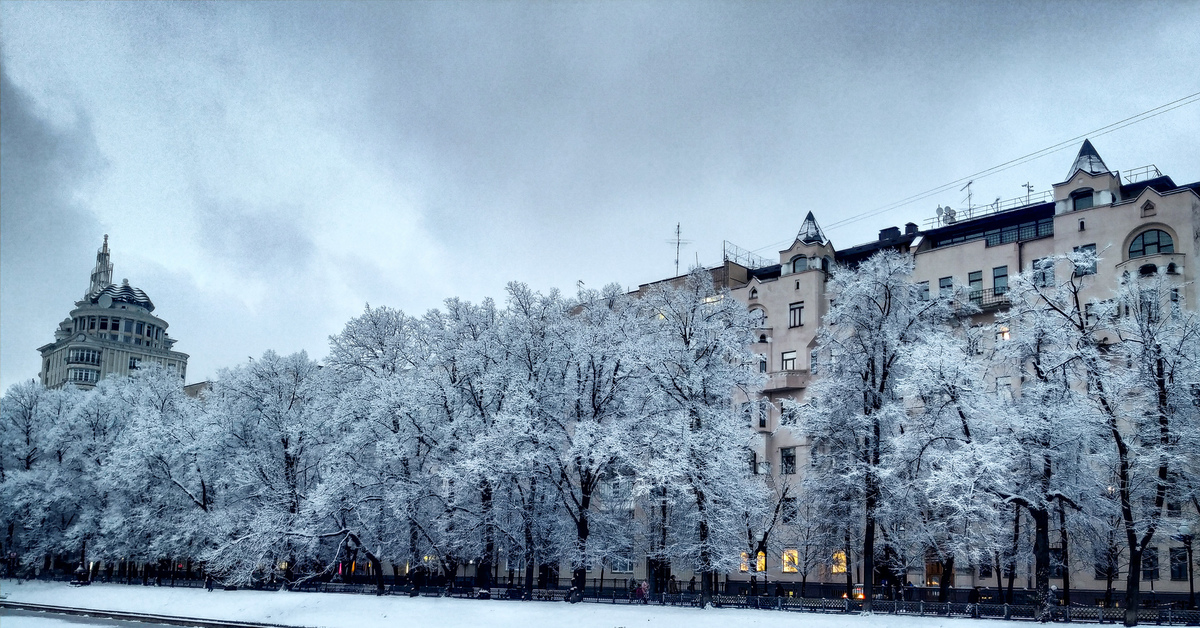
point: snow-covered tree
(855, 410)
(701, 356)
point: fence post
(921, 606)
(1007, 612)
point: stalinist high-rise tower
(111, 331)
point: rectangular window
(837, 564)
(1179, 564)
(1004, 387)
(1056, 562)
(1150, 564)
(760, 411)
(621, 565)
(128, 326)
(796, 314)
(945, 286)
(791, 558)
(141, 327)
(753, 462)
(1000, 280)
(1086, 267)
(133, 363)
(104, 323)
(923, 291)
(788, 360)
(790, 511)
(745, 562)
(91, 322)
(985, 571)
(1043, 272)
(975, 282)
(787, 460)
(762, 364)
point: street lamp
(1185, 535)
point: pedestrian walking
(208, 583)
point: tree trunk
(947, 579)
(1016, 546)
(849, 571)
(869, 548)
(1066, 556)
(1133, 585)
(483, 569)
(1041, 554)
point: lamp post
(1185, 535)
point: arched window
(754, 293)
(756, 312)
(826, 262)
(1081, 199)
(799, 264)
(1151, 242)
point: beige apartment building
(111, 331)
(1138, 222)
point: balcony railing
(989, 297)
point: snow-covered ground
(333, 610)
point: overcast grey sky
(266, 169)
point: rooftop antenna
(678, 241)
(967, 187)
(1028, 191)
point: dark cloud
(47, 234)
(264, 241)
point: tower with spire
(112, 331)
(1089, 183)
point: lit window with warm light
(790, 559)
(839, 563)
(761, 562)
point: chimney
(910, 228)
(891, 233)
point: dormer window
(754, 293)
(1081, 199)
(1148, 209)
(799, 264)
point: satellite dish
(939, 210)
(949, 215)
(105, 301)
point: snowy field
(333, 610)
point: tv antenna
(1028, 191)
(678, 241)
(967, 187)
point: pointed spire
(810, 233)
(1088, 161)
(102, 273)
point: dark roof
(766, 272)
(1161, 184)
(855, 255)
(124, 294)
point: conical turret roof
(810, 233)
(1088, 161)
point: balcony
(786, 380)
(989, 298)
